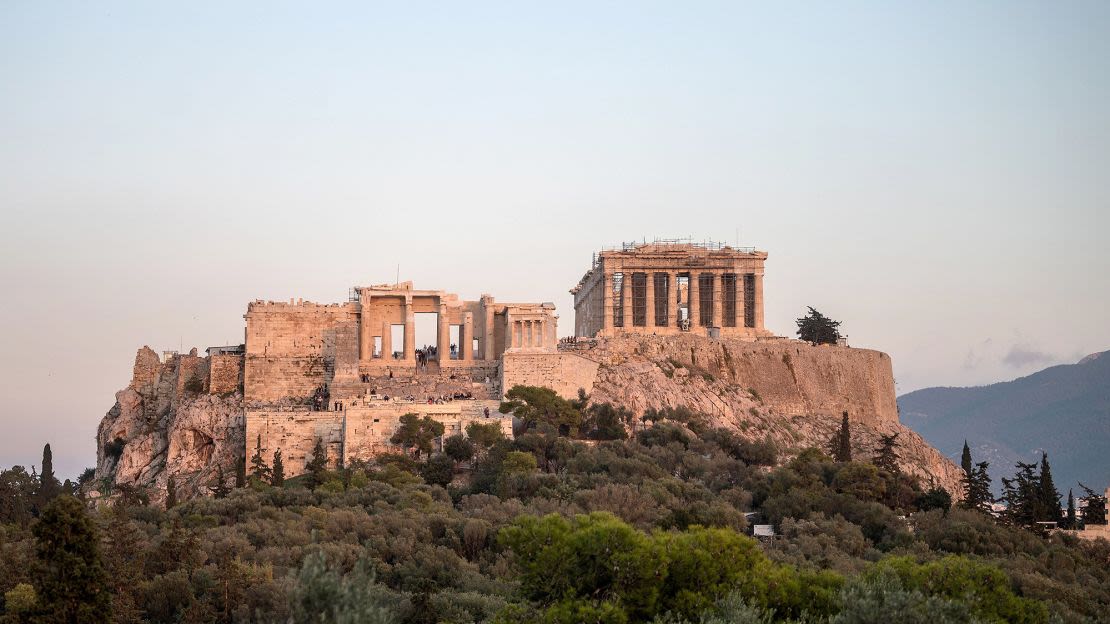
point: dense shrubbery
(543, 528)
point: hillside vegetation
(544, 528)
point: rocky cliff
(185, 417)
(176, 418)
(788, 390)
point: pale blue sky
(933, 174)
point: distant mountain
(1064, 410)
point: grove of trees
(554, 526)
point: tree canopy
(817, 328)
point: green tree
(171, 493)
(322, 596)
(886, 458)
(1023, 496)
(1094, 507)
(534, 405)
(317, 468)
(840, 446)
(241, 472)
(417, 433)
(605, 422)
(817, 328)
(49, 487)
(484, 435)
(965, 460)
(458, 448)
(935, 498)
(259, 469)
(72, 584)
(277, 475)
(1049, 496)
(438, 470)
(219, 487)
(1071, 522)
(977, 489)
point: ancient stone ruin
(664, 288)
(662, 324)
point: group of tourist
(447, 398)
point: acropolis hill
(662, 324)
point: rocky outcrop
(787, 390)
(167, 423)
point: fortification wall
(225, 373)
(292, 349)
(564, 373)
(362, 430)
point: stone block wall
(294, 348)
(225, 373)
(564, 373)
(362, 430)
(294, 432)
(270, 380)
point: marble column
(466, 337)
(759, 301)
(443, 338)
(410, 330)
(695, 303)
(509, 331)
(717, 301)
(626, 299)
(672, 299)
(365, 335)
(740, 299)
(387, 341)
(649, 317)
(607, 301)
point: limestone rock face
(166, 424)
(788, 390)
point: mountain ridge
(1063, 410)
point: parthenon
(667, 287)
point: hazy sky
(933, 174)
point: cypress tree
(965, 460)
(259, 469)
(48, 483)
(1050, 498)
(1070, 522)
(318, 466)
(241, 473)
(171, 493)
(72, 582)
(277, 477)
(840, 446)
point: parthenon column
(410, 330)
(759, 301)
(466, 337)
(387, 340)
(717, 299)
(672, 299)
(649, 318)
(606, 301)
(443, 338)
(365, 337)
(509, 331)
(626, 299)
(740, 300)
(695, 303)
